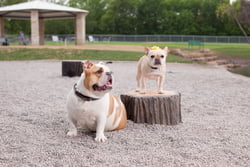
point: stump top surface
(153, 93)
(75, 61)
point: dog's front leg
(160, 82)
(143, 86)
(138, 80)
(101, 121)
(72, 129)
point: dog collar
(154, 68)
(83, 97)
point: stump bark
(71, 68)
(153, 108)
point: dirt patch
(92, 47)
(234, 60)
(212, 57)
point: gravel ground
(215, 112)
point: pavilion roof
(46, 10)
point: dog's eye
(99, 72)
(152, 56)
(162, 56)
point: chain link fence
(166, 38)
(137, 38)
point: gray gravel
(215, 111)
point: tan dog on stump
(90, 104)
(152, 66)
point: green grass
(235, 50)
(160, 44)
(75, 54)
(243, 71)
(65, 54)
(59, 43)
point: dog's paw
(160, 92)
(100, 138)
(142, 92)
(72, 133)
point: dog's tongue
(108, 85)
(101, 88)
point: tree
(245, 13)
(120, 17)
(11, 2)
(186, 22)
(60, 26)
(65, 26)
(232, 12)
(14, 26)
(185, 17)
(151, 16)
(96, 8)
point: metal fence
(140, 38)
(167, 38)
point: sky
(231, 1)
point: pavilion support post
(35, 38)
(80, 29)
(41, 31)
(1, 27)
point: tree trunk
(71, 68)
(153, 108)
(231, 10)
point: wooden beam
(80, 28)
(1, 27)
(35, 35)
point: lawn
(243, 71)
(75, 54)
(236, 50)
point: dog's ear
(147, 49)
(86, 65)
(166, 49)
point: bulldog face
(156, 56)
(98, 77)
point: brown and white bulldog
(91, 105)
(152, 66)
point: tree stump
(71, 68)
(153, 108)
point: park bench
(192, 43)
(4, 41)
(55, 38)
(91, 38)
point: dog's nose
(109, 73)
(157, 62)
